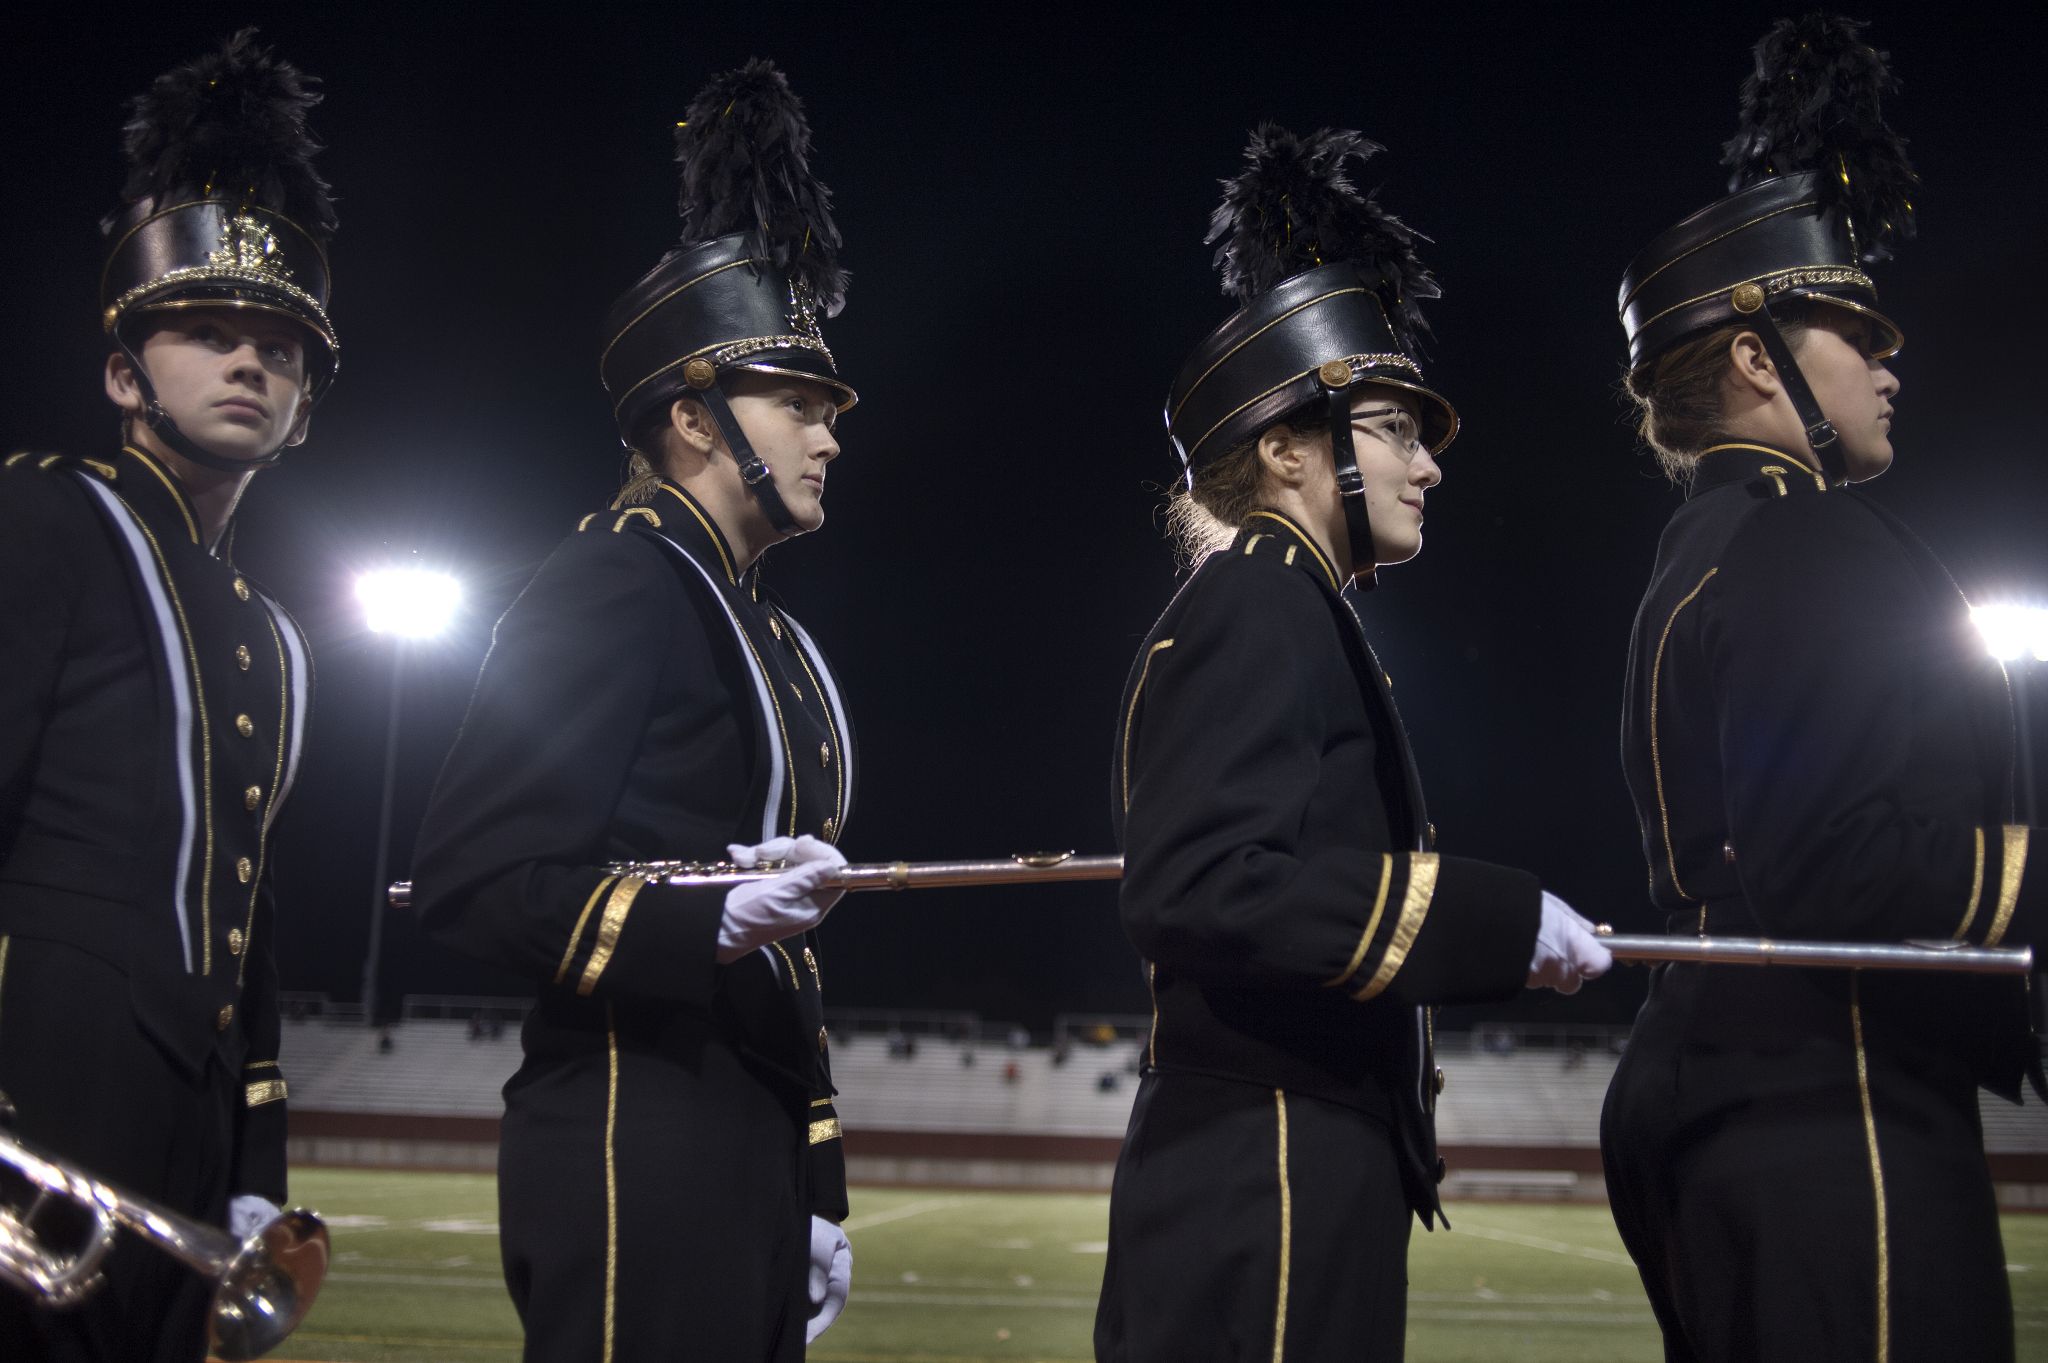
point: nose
(829, 450)
(246, 364)
(1887, 382)
(1423, 470)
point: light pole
(406, 603)
(2017, 635)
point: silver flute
(1044, 868)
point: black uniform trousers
(106, 1099)
(1799, 1201)
(653, 1205)
(1251, 1223)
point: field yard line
(904, 1212)
(1534, 1317)
(963, 1299)
(413, 1280)
(1508, 1237)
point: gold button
(241, 590)
(775, 627)
(226, 1015)
(244, 868)
(245, 726)
(821, 1038)
(1728, 852)
(234, 941)
(831, 829)
(1440, 1080)
(1334, 374)
(1746, 298)
(252, 797)
(824, 754)
(242, 656)
(811, 960)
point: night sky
(1023, 191)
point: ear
(1283, 454)
(1750, 368)
(691, 420)
(122, 389)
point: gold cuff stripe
(1131, 715)
(1976, 890)
(1286, 1229)
(1379, 908)
(261, 1065)
(826, 1130)
(576, 933)
(265, 1091)
(821, 1102)
(1422, 874)
(2011, 872)
(608, 929)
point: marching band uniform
(670, 1135)
(1281, 884)
(152, 709)
(1819, 747)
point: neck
(214, 493)
(1324, 523)
(732, 509)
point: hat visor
(843, 396)
(1439, 419)
(323, 354)
(1885, 336)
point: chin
(1865, 464)
(1398, 551)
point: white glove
(1567, 951)
(248, 1213)
(831, 1275)
(764, 911)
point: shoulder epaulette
(49, 461)
(617, 521)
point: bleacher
(949, 1099)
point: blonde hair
(1678, 396)
(1204, 517)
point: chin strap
(1820, 432)
(1350, 482)
(165, 429)
(753, 472)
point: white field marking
(1490, 1296)
(356, 1222)
(2019, 1268)
(1508, 1237)
(1091, 1247)
(1012, 1300)
(1008, 1244)
(428, 1281)
(1537, 1317)
(904, 1212)
(460, 1225)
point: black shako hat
(1819, 187)
(1328, 283)
(224, 207)
(757, 269)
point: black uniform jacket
(1276, 873)
(643, 700)
(152, 704)
(1819, 746)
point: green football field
(961, 1277)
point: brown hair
(1204, 518)
(1678, 396)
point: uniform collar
(1305, 554)
(156, 495)
(1740, 461)
(685, 521)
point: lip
(816, 480)
(248, 405)
(1415, 506)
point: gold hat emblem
(700, 373)
(1335, 374)
(248, 246)
(1747, 298)
(803, 311)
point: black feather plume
(233, 123)
(744, 150)
(1815, 102)
(1293, 207)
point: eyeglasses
(1400, 434)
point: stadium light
(408, 604)
(412, 603)
(2013, 632)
